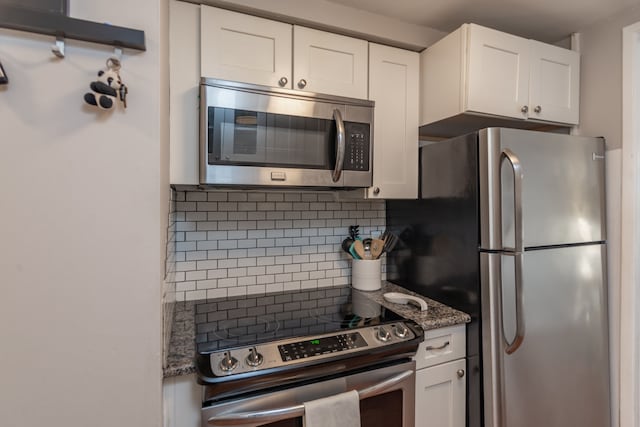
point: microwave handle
(340, 145)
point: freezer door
(561, 194)
(557, 374)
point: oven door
(387, 399)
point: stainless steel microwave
(254, 135)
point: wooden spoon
(358, 247)
(376, 248)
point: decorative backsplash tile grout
(238, 243)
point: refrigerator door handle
(512, 346)
(516, 166)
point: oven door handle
(273, 415)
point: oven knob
(228, 363)
(400, 330)
(383, 334)
(254, 358)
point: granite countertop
(182, 346)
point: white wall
(601, 77)
(84, 200)
(601, 115)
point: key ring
(114, 63)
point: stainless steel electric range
(261, 357)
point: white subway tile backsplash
(228, 282)
(247, 281)
(217, 216)
(206, 284)
(228, 263)
(237, 197)
(196, 196)
(196, 275)
(247, 262)
(292, 250)
(237, 243)
(186, 226)
(219, 273)
(275, 251)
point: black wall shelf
(17, 18)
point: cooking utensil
(358, 248)
(399, 298)
(352, 250)
(346, 245)
(377, 246)
(354, 231)
(390, 242)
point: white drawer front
(440, 346)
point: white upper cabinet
(329, 63)
(393, 85)
(477, 71)
(498, 72)
(245, 48)
(554, 83)
(184, 77)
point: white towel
(340, 410)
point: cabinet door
(184, 77)
(245, 48)
(498, 73)
(393, 85)
(329, 63)
(440, 395)
(554, 83)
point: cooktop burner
(251, 320)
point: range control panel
(357, 146)
(298, 350)
(318, 346)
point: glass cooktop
(254, 319)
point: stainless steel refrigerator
(510, 227)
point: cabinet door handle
(283, 81)
(430, 347)
(302, 83)
(538, 109)
(460, 373)
(524, 109)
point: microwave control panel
(357, 146)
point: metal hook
(114, 62)
(58, 48)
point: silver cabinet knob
(254, 358)
(376, 190)
(283, 81)
(460, 373)
(524, 109)
(302, 83)
(538, 109)
(229, 362)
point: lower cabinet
(440, 394)
(441, 379)
(182, 401)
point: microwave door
(242, 136)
